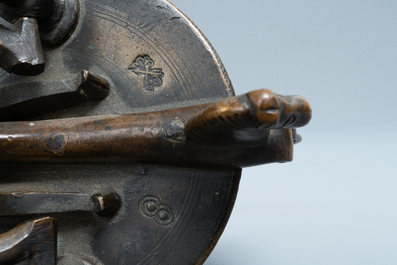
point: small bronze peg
(106, 205)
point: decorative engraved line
(108, 13)
(180, 228)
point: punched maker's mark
(151, 207)
(152, 77)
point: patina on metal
(236, 132)
(33, 203)
(24, 100)
(34, 240)
(119, 123)
(31, 24)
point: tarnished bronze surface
(20, 46)
(131, 137)
(34, 240)
(31, 24)
(23, 204)
(21, 101)
(231, 133)
(168, 215)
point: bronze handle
(170, 136)
(239, 117)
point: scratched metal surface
(198, 202)
(112, 35)
(155, 59)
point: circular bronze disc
(154, 58)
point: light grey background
(336, 202)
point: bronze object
(31, 24)
(131, 137)
(221, 134)
(33, 240)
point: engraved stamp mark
(152, 77)
(152, 207)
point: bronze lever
(248, 128)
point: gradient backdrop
(336, 202)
